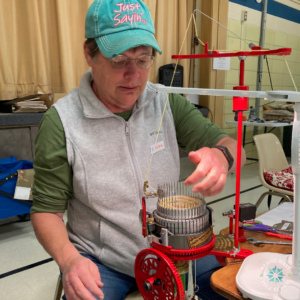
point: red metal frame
(231, 224)
(256, 51)
(189, 254)
(192, 254)
(240, 104)
(148, 269)
(144, 216)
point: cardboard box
(50, 99)
(58, 96)
(24, 185)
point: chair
(271, 158)
(59, 289)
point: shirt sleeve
(193, 131)
(52, 185)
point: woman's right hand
(81, 279)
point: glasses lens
(144, 61)
(118, 61)
(121, 61)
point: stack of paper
(285, 212)
(32, 105)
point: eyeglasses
(121, 61)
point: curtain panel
(42, 43)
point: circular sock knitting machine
(179, 231)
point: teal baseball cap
(119, 25)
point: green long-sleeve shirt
(53, 174)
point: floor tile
(19, 246)
(13, 287)
(42, 279)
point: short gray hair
(94, 50)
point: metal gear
(185, 254)
(157, 277)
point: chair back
(270, 154)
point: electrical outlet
(244, 16)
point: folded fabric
(281, 179)
(289, 107)
(278, 112)
(275, 114)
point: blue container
(11, 207)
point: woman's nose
(131, 69)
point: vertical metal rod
(260, 58)
(230, 225)
(193, 226)
(238, 176)
(179, 213)
(242, 71)
(172, 203)
(181, 189)
(195, 274)
(295, 163)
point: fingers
(201, 170)
(203, 167)
(92, 281)
(93, 287)
(69, 290)
(210, 169)
(83, 281)
(194, 157)
(96, 275)
(84, 287)
(76, 290)
(212, 185)
(70, 293)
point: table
(223, 280)
(20, 120)
(266, 124)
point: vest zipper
(132, 158)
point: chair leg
(285, 198)
(261, 198)
(269, 200)
(59, 289)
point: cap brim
(116, 43)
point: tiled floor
(19, 247)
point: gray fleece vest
(110, 158)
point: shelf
(10, 120)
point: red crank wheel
(157, 277)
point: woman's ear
(87, 55)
